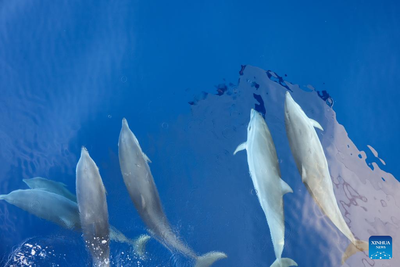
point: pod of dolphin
(88, 212)
(313, 168)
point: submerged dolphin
(266, 176)
(143, 192)
(138, 244)
(58, 188)
(46, 205)
(313, 168)
(51, 186)
(93, 213)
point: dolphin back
(137, 175)
(93, 212)
(46, 205)
(313, 167)
(140, 184)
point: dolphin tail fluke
(283, 262)
(2, 197)
(209, 258)
(139, 245)
(354, 248)
(101, 262)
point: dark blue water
(182, 74)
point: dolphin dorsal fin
(316, 124)
(303, 173)
(143, 202)
(240, 147)
(285, 188)
(146, 158)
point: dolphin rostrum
(144, 195)
(138, 244)
(313, 167)
(266, 177)
(93, 213)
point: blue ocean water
(186, 75)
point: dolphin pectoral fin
(139, 245)
(353, 249)
(69, 225)
(209, 258)
(283, 262)
(240, 147)
(105, 190)
(316, 124)
(146, 158)
(61, 184)
(285, 188)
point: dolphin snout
(125, 123)
(253, 112)
(288, 96)
(84, 151)
(288, 101)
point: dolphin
(313, 167)
(46, 205)
(51, 186)
(266, 177)
(58, 188)
(138, 244)
(144, 195)
(93, 213)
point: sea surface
(185, 74)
